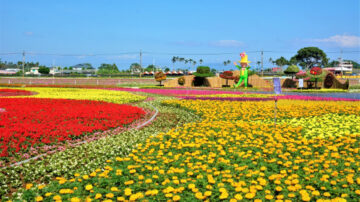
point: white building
(344, 67)
(34, 71)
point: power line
(162, 53)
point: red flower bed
(27, 122)
(14, 92)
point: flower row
(119, 97)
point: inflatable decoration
(243, 69)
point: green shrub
(203, 71)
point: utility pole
(23, 63)
(262, 63)
(140, 58)
(140, 62)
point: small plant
(203, 71)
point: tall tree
(310, 56)
(135, 68)
(200, 61)
(281, 62)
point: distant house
(9, 71)
(33, 71)
(343, 68)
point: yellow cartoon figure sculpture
(244, 67)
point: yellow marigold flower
(238, 197)
(48, 194)
(39, 198)
(191, 186)
(315, 193)
(120, 198)
(199, 195)
(28, 186)
(269, 197)
(207, 193)
(176, 198)
(148, 181)
(224, 195)
(41, 186)
(222, 190)
(85, 177)
(109, 195)
(357, 192)
(98, 195)
(76, 174)
(305, 197)
(280, 197)
(132, 171)
(75, 199)
(57, 197)
(250, 195)
(89, 187)
(154, 192)
(278, 188)
(127, 191)
(291, 195)
(129, 182)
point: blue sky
(69, 32)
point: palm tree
(271, 60)
(200, 61)
(225, 63)
(174, 59)
(258, 63)
(228, 61)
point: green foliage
(135, 68)
(281, 61)
(203, 71)
(292, 69)
(309, 56)
(150, 68)
(44, 70)
(108, 69)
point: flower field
(233, 153)
(30, 122)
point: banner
(301, 83)
(277, 85)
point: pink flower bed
(302, 97)
(177, 92)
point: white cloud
(227, 43)
(346, 41)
